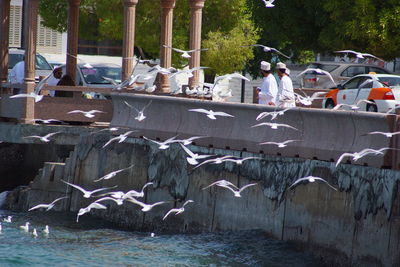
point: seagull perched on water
(268, 3)
(281, 144)
(94, 205)
(8, 219)
(211, 114)
(32, 94)
(88, 114)
(268, 49)
(163, 145)
(236, 191)
(34, 233)
(357, 155)
(86, 193)
(43, 138)
(311, 179)
(274, 125)
(385, 134)
(145, 207)
(112, 174)
(185, 54)
(25, 227)
(121, 138)
(140, 116)
(46, 206)
(192, 160)
(46, 230)
(176, 210)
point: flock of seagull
(195, 160)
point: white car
(382, 90)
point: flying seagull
(268, 3)
(236, 191)
(140, 113)
(145, 207)
(357, 155)
(178, 211)
(311, 179)
(32, 94)
(385, 134)
(358, 54)
(274, 125)
(88, 114)
(185, 54)
(192, 160)
(121, 138)
(269, 49)
(210, 113)
(112, 174)
(163, 145)
(93, 205)
(319, 71)
(86, 193)
(46, 206)
(43, 138)
(281, 144)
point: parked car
(383, 90)
(340, 72)
(92, 74)
(43, 68)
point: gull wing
(323, 180)
(188, 151)
(39, 206)
(169, 212)
(342, 157)
(223, 114)
(201, 110)
(279, 52)
(246, 186)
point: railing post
(31, 17)
(196, 7)
(4, 38)
(72, 35)
(128, 48)
(166, 39)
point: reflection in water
(93, 242)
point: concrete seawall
(357, 225)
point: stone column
(196, 7)
(4, 38)
(166, 39)
(31, 18)
(72, 35)
(129, 38)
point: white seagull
(273, 114)
(215, 161)
(189, 72)
(190, 140)
(270, 49)
(185, 54)
(34, 233)
(8, 219)
(275, 125)
(35, 96)
(86, 193)
(192, 160)
(140, 113)
(46, 230)
(281, 144)
(385, 134)
(240, 161)
(358, 54)
(307, 100)
(236, 191)
(176, 210)
(46, 121)
(119, 201)
(354, 107)
(319, 71)
(94, 205)
(211, 114)
(43, 138)
(157, 69)
(25, 227)
(268, 3)
(357, 155)
(112, 174)
(88, 114)
(121, 138)
(133, 193)
(311, 179)
(145, 207)
(163, 145)
(46, 206)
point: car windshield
(390, 81)
(95, 75)
(326, 67)
(41, 63)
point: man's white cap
(280, 65)
(287, 71)
(265, 66)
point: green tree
(103, 19)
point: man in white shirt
(286, 97)
(269, 88)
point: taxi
(383, 90)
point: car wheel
(372, 108)
(329, 104)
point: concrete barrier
(323, 134)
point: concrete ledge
(324, 134)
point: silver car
(340, 72)
(43, 68)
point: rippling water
(95, 243)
